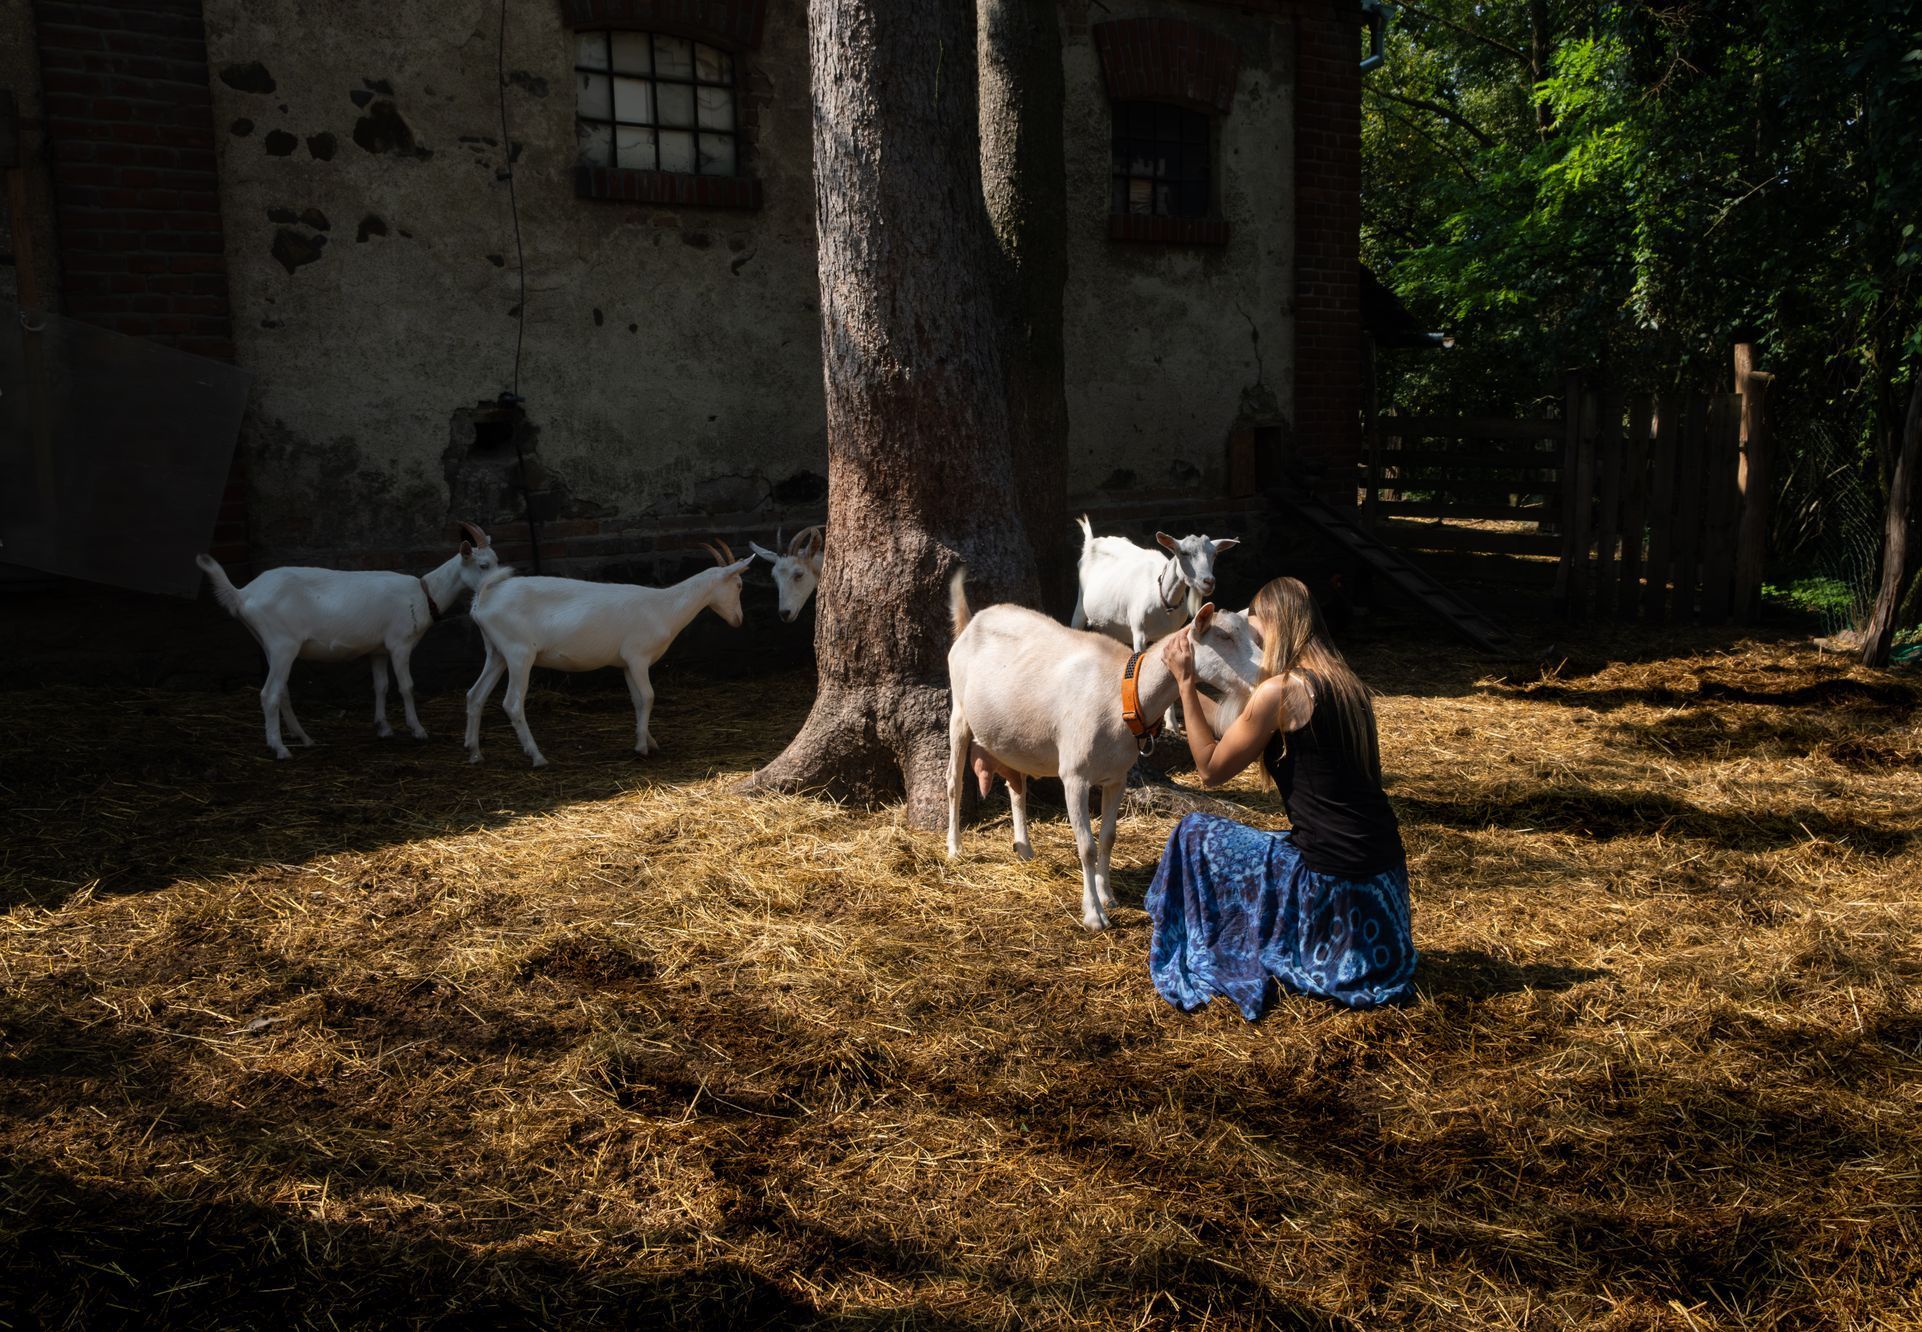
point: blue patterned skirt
(1233, 906)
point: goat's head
(1227, 658)
(1194, 556)
(797, 572)
(725, 598)
(477, 556)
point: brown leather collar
(1143, 733)
(433, 607)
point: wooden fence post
(1664, 452)
(1578, 489)
(1608, 522)
(1752, 481)
(1720, 453)
(1371, 497)
(1688, 506)
(1641, 420)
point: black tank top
(1343, 824)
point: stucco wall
(671, 364)
(671, 358)
(1169, 347)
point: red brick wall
(129, 122)
(1167, 60)
(1328, 389)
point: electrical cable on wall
(511, 398)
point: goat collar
(1143, 732)
(1161, 580)
(433, 607)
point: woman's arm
(1282, 703)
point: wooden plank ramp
(1398, 569)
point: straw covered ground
(373, 1036)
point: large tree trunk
(1898, 551)
(919, 472)
(1024, 180)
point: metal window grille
(648, 102)
(1161, 160)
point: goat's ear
(1223, 543)
(1167, 542)
(466, 552)
(1203, 618)
(739, 565)
(763, 551)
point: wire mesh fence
(1825, 538)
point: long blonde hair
(1293, 638)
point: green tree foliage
(1635, 187)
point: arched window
(650, 102)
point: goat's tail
(958, 600)
(1087, 533)
(224, 590)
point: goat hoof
(419, 733)
(1022, 851)
(539, 762)
(473, 756)
(1095, 923)
(283, 754)
(383, 730)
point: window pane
(1194, 199)
(1141, 198)
(592, 97)
(630, 53)
(590, 50)
(1164, 192)
(673, 58)
(712, 66)
(1170, 127)
(1120, 194)
(715, 107)
(717, 154)
(596, 143)
(635, 146)
(1195, 128)
(675, 102)
(677, 150)
(1136, 119)
(631, 100)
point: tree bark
(920, 476)
(1025, 184)
(1898, 551)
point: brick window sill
(667, 187)
(1167, 230)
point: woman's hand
(1178, 655)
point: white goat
(1045, 700)
(797, 573)
(567, 624)
(1133, 594)
(340, 614)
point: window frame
(655, 80)
(1185, 119)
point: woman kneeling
(1322, 908)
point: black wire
(513, 397)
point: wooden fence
(1655, 506)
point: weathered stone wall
(671, 362)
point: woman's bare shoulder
(1293, 699)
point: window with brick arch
(1163, 158)
(649, 102)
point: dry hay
(374, 1036)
